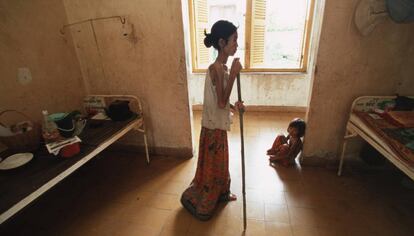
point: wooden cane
(241, 111)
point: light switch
(24, 76)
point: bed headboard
(369, 103)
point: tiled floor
(117, 194)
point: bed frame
(355, 127)
(22, 186)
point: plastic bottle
(50, 130)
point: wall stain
(132, 37)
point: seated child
(285, 149)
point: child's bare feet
(269, 152)
(272, 158)
(282, 162)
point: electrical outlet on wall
(24, 76)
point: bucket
(69, 124)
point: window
(273, 34)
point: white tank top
(215, 117)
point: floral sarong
(211, 183)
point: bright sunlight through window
(273, 34)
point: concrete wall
(350, 65)
(406, 85)
(29, 37)
(148, 63)
(261, 89)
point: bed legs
(348, 134)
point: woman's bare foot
(232, 197)
(227, 197)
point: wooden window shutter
(257, 38)
(201, 24)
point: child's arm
(295, 146)
(279, 141)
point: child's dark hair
(300, 125)
(222, 29)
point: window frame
(305, 46)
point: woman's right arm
(223, 94)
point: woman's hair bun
(208, 40)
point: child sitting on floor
(285, 149)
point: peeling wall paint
(30, 38)
(150, 64)
(261, 89)
(350, 65)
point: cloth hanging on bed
(401, 11)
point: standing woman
(211, 183)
